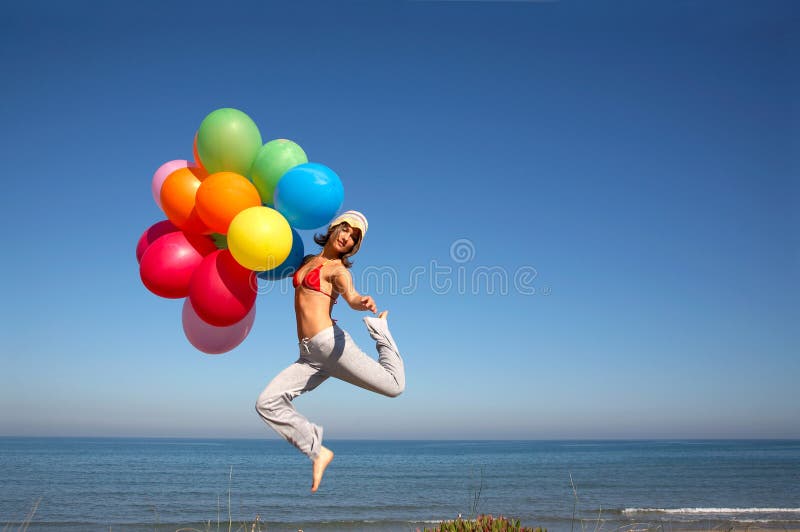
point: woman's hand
(367, 303)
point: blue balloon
(309, 195)
(290, 265)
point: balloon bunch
(232, 213)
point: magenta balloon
(152, 233)
(222, 291)
(168, 263)
(214, 340)
(161, 174)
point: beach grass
(483, 523)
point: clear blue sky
(642, 158)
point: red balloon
(221, 291)
(168, 264)
(151, 235)
(214, 340)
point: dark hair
(333, 232)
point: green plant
(483, 523)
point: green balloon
(274, 159)
(228, 141)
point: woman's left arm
(342, 282)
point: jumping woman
(325, 349)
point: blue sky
(640, 158)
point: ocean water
(53, 484)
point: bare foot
(323, 459)
(383, 314)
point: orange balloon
(197, 161)
(178, 199)
(222, 196)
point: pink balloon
(222, 291)
(152, 233)
(168, 264)
(161, 174)
(214, 340)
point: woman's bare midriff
(313, 311)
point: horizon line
(242, 438)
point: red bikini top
(312, 280)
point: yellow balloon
(259, 238)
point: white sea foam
(704, 511)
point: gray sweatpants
(329, 353)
